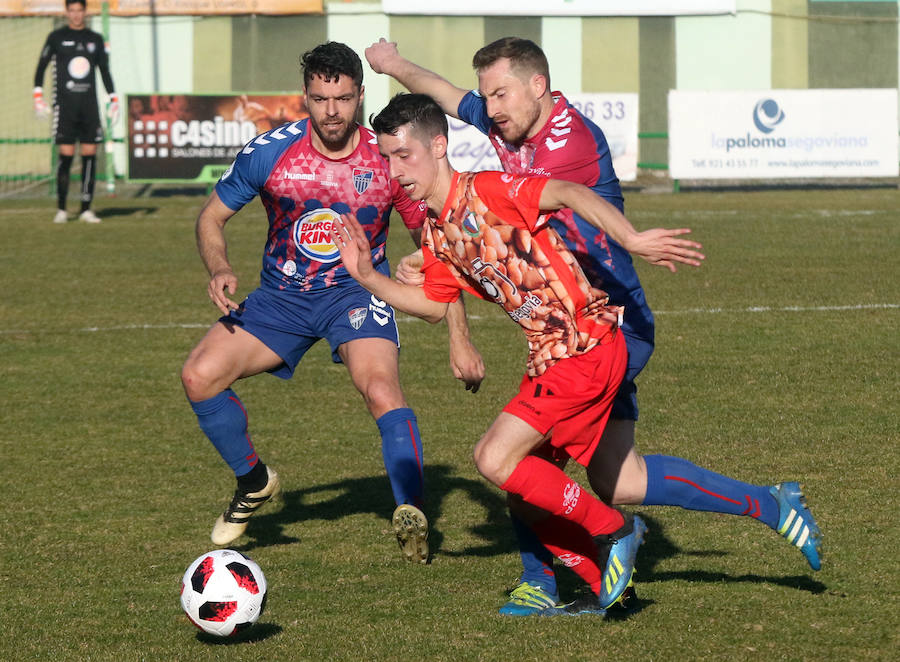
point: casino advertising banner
(194, 138)
(469, 150)
(783, 134)
(165, 7)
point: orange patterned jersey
(492, 240)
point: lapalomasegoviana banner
(165, 7)
(766, 134)
(194, 138)
(616, 114)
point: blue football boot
(529, 599)
(616, 553)
(796, 523)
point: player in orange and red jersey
(487, 233)
(536, 131)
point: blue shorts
(290, 325)
(625, 405)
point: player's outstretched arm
(384, 58)
(210, 231)
(356, 255)
(465, 359)
(660, 246)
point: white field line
(406, 318)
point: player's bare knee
(198, 380)
(490, 464)
(382, 394)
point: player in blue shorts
(537, 132)
(306, 174)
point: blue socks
(537, 561)
(224, 420)
(401, 447)
(673, 481)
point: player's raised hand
(351, 240)
(380, 54)
(662, 247)
(221, 282)
(409, 271)
(40, 108)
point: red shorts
(573, 398)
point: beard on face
(334, 140)
(518, 129)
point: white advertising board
(783, 133)
(561, 7)
(616, 114)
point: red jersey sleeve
(412, 213)
(440, 283)
(514, 199)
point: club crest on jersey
(362, 177)
(357, 317)
(470, 225)
(312, 235)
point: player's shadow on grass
(657, 547)
(119, 212)
(371, 494)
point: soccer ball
(223, 592)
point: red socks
(544, 485)
(572, 545)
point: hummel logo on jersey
(560, 128)
(267, 138)
(555, 144)
(302, 176)
(380, 312)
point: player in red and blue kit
(306, 174)
(537, 132)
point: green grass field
(777, 360)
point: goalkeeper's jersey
(78, 55)
(303, 192)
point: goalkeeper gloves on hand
(40, 108)
(112, 108)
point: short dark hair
(525, 56)
(330, 61)
(83, 3)
(420, 111)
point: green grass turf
(777, 360)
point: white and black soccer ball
(223, 592)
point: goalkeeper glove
(40, 108)
(112, 108)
